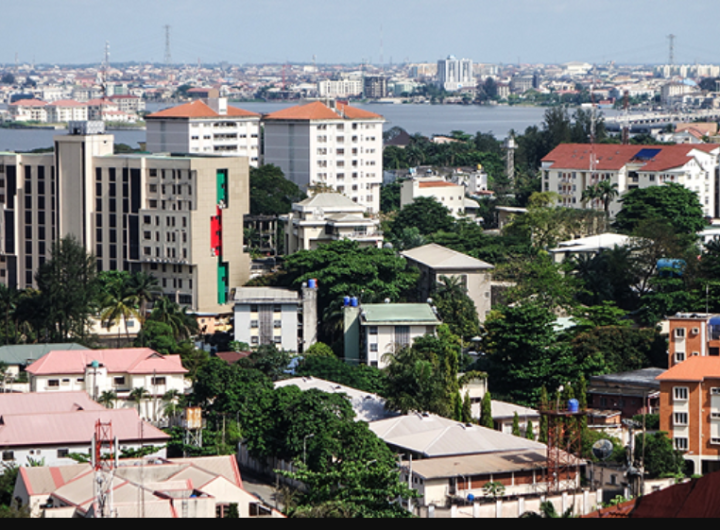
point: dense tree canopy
(670, 204)
(270, 192)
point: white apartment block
(567, 171)
(208, 126)
(454, 74)
(342, 88)
(450, 195)
(175, 217)
(337, 146)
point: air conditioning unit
(695, 353)
(695, 331)
(715, 391)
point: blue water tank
(346, 301)
(714, 321)
(354, 301)
(470, 497)
(573, 405)
(312, 283)
(671, 268)
(95, 364)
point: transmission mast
(104, 463)
(671, 38)
(106, 66)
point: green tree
(543, 404)
(529, 431)
(516, 425)
(232, 512)
(107, 399)
(69, 285)
(319, 349)
(363, 377)
(424, 213)
(671, 204)
(390, 195)
(455, 307)
(165, 310)
(268, 360)
(118, 303)
(523, 353)
(158, 336)
(138, 395)
(270, 192)
(486, 418)
(661, 458)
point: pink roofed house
(116, 370)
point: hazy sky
(345, 31)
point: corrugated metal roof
(46, 402)
(27, 353)
(442, 258)
(122, 360)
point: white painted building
(267, 315)
(337, 146)
(113, 370)
(327, 217)
(346, 87)
(455, 74)
(566, 170)
(450, 195)
(205, 126)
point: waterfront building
(331, 144)
(179, 218)
(209, 126)
(375, 86)
(567, 171)
(455, 74)
(340, 88)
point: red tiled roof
(232, 357)
(198, 109)
(613, 157)
(696, 498)
(127, 360)
(437, 184)
(620, 511)
(67, 103)
(29, 103)
(695, 368)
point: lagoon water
(424, 119)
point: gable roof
(73, 428)
(27, 353)
(46, 402)
(329, 201)
(29, 103)
(199, 109)
(694, 368)
(442, 258)
(123, 360)
(609, 157)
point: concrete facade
(164, 215)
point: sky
(345, 31)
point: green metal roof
(399, 314)
(29, 353)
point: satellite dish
(602, 449)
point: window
(680, 333)
(277, 340)
(681, 444)
(254, 340)
(253, 308)
(119, 381)
(680, 393)
(62, 453)
(374, 347)
(157, 381)
(253, 323)
(8, 455)
(680, 418)
(277, 323)
(53, 382)
(679, 356)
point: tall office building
(375, 86)
(172, 216)
(455, 74)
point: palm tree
(168, 312)
(144, 289)
(107, 399)
(118, 303)
(137, 395)
(170, 398)
(607, 192)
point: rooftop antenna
(671, 38)
(104, 463)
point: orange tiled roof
(67, 103)
(695, 368)
(29, 103)
(320, 111)
(198, 109)
(437, 184)
(620, 511)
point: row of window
(255, 324)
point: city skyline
(278, 31)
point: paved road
(262, 488)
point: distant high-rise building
(455, 74)
(375, 86)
